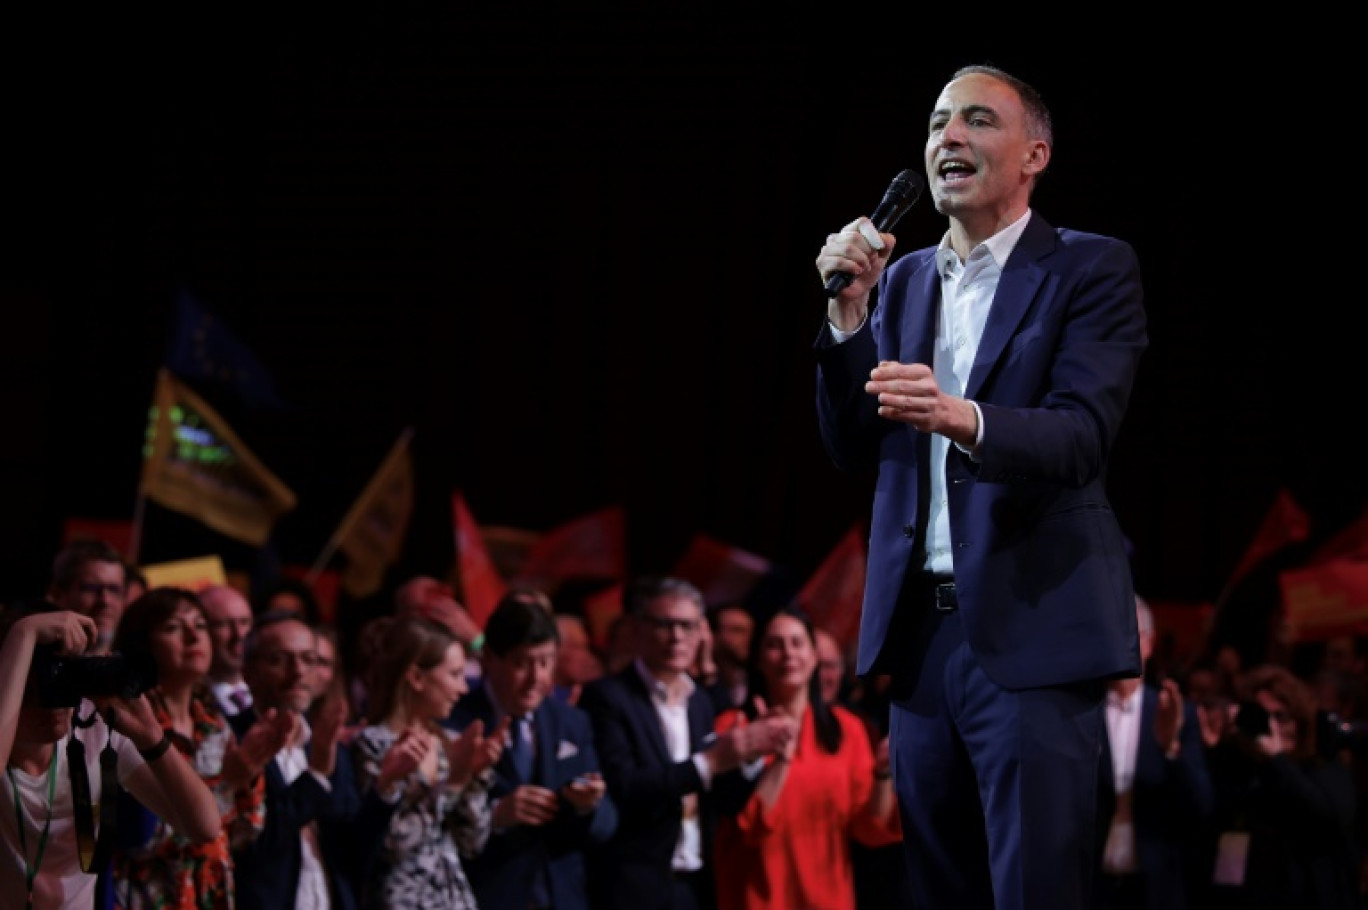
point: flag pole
(358, 508)
(158, 423)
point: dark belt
(936, 592)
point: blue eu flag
(205, 351)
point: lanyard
(94, 851)
(31, 872)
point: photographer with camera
(1284, 808)
(49, 850)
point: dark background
(575, 251)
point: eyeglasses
(665, 625)
(278, 659)
(95, 589)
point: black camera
(62, 681)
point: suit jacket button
(909, 530)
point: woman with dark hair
(789, 844)
(153, 866)
(43, 864)
(1284, 806)
(441, 804)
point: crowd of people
(732, 761)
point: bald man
(230, 619)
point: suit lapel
(545, 743)
(700, 721)
(1020, 282)
(647, 720)
(918, 341)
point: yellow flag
(193, 463)
(372, 534)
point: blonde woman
(441, 804)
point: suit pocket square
(566, 749)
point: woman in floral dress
(154, 867)
(437, 781)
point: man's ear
(1038, 158)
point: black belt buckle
(944, 597)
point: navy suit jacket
(266, 871)
(1041, 565)
(633, 870)
(502, 873)
(1171, 806)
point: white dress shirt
(312, 890)
(672, 707)
(1123, 735)
(967, 290)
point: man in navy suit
(1156, 793)
(985, 379)
(550, 801)
(665, 767)
(313, 846)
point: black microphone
(898, 198)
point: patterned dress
(433, 826)
(157, 869)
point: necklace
(31, 872)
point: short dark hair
(252, 642)
(73, 557)
(142, 616)
(518, 621)
(1039, 123)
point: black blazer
(1171, 805)
(632, 870)
(266, 871)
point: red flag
(480, 583)
(1286, 523)
(324, 584)
(834, 595)
(600, 609)
(591, 546)
(1326, 600)
(725, 574)
(1187, 624)
(118, 532)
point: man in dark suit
(314, 844)
(1155, 795)
(550, 801)
(664, 765)
(987, 385)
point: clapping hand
(272, 731)
(1168, 715)
(328, 724)
(404, 756)
(472, 751)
